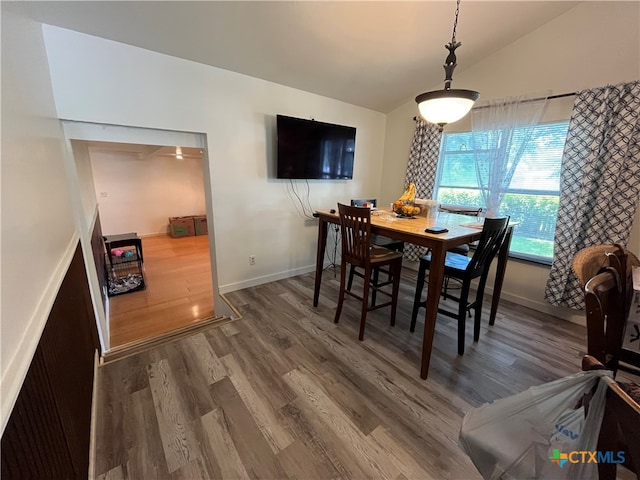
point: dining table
(461, 229)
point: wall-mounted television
(314, 150)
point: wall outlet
(252, 259)
(104, 194)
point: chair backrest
(623, 261)
(461, 210)
(606, 317)
(588, 261)
(493, 234)
(355, 229)
(361, 201)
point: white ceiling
(373, 54)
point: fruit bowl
(407, 209)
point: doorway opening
(138, 188)
(129, 182)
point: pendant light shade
(447, 105)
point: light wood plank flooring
(179, 290)
(286, 393)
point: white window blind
(531, 197)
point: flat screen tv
(314, 150)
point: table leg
(323, 227)
(501, 268)
(436, 275)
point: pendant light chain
(448, 105)
(455, 23)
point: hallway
(179, 290)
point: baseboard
(543, 307)
(236, 315)
(252, 282)
(145, 235)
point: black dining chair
(465, 269)
(379, 241)
(357, 249)
(465, 247)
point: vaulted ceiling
(373, 54)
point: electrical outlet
(104, 194)
(252, 259)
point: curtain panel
(501, 132)
(421, 169)
(599, 182)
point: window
(533, 193)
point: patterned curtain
(599, 182)
(421, 169)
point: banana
(409, 193)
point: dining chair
(380, 241)
(607, 303)
(608, 296)
(465, 269)
(358, 250)
(465, 247)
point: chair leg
(416, 301)
(343, 274)
(376, 276)
(462, 316)
(478, 309)
(394, 292)
(352, 272)
(365, 303)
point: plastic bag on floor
(531, 434)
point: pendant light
(447, 105)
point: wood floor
(179, 291)
(286, 393)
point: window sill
(523, 257)
(531, 259)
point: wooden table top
(412, 229)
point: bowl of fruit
(405, 206)
(406, 209)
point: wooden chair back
(605, 311)
(608, 296)
(355, 229)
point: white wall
(86, 187)
(592, 45)
(96, 80)
(38, 232)
(142, 193)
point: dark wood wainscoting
(48, 432)
(97, 247)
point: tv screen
(314, 150)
